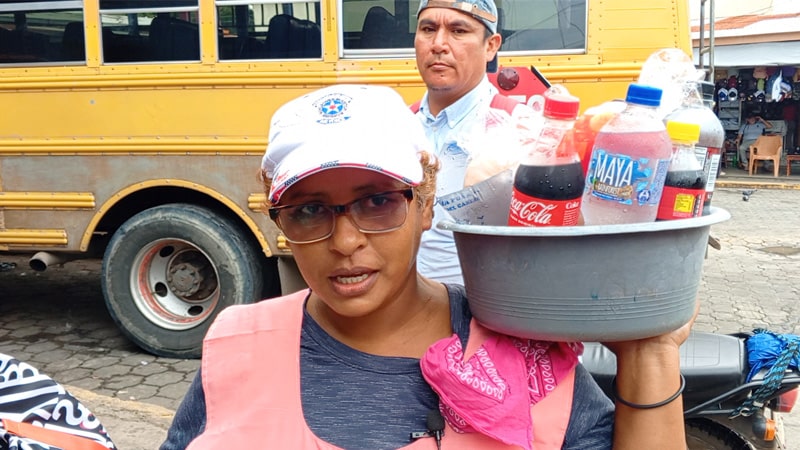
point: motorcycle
(729, 402)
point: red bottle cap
(561, 106)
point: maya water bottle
(629, 163)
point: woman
(375, 356)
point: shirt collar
(462, 108)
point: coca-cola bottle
(548, 183)
(685, 185)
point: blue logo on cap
(333, 108)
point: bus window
(543, 25)
(268, 30)
(150, 31)
(526, 25)
(41, 32)
(378, 24)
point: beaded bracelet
(651, 405)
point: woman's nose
(346, 238)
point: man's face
(452, 51)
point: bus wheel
(169, 270)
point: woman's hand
(649, 381)
(672, 339)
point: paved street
(57, 321)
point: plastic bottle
(629, 163)
(685, 185)
(548, 183)
(708, 150)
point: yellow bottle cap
(683, 132)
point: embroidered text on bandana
(492, 391)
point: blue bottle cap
(641, 94)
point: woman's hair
(424, 191)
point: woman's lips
(352, 279)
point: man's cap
(483, 10)
(343, 126)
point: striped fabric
(39, 414)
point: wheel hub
(190, 276)
(184, 280)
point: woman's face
(354, 273)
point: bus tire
(169, 270)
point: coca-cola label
(626, 180)
(530, 211)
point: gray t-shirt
(360, 401)
(751, 131)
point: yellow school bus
(132, 130)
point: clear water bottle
(629, 163)
(548, 183)
(685, 186)
(697, 107)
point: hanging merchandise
(774, 87)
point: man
(753, 127)
(454, 42)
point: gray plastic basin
(584, 283)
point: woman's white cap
(353, 126)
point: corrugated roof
(739, 22)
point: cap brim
(304, 161)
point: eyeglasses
(314, 222)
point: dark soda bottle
(547, 195)
(549, 182)
(696, 107)
(685, 183)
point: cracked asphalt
(57, 321)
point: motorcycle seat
(711, 363)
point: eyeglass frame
(344, 209)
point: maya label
(626, 180)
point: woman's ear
(427, 213)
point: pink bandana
(492, 392)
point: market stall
(762, 78)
